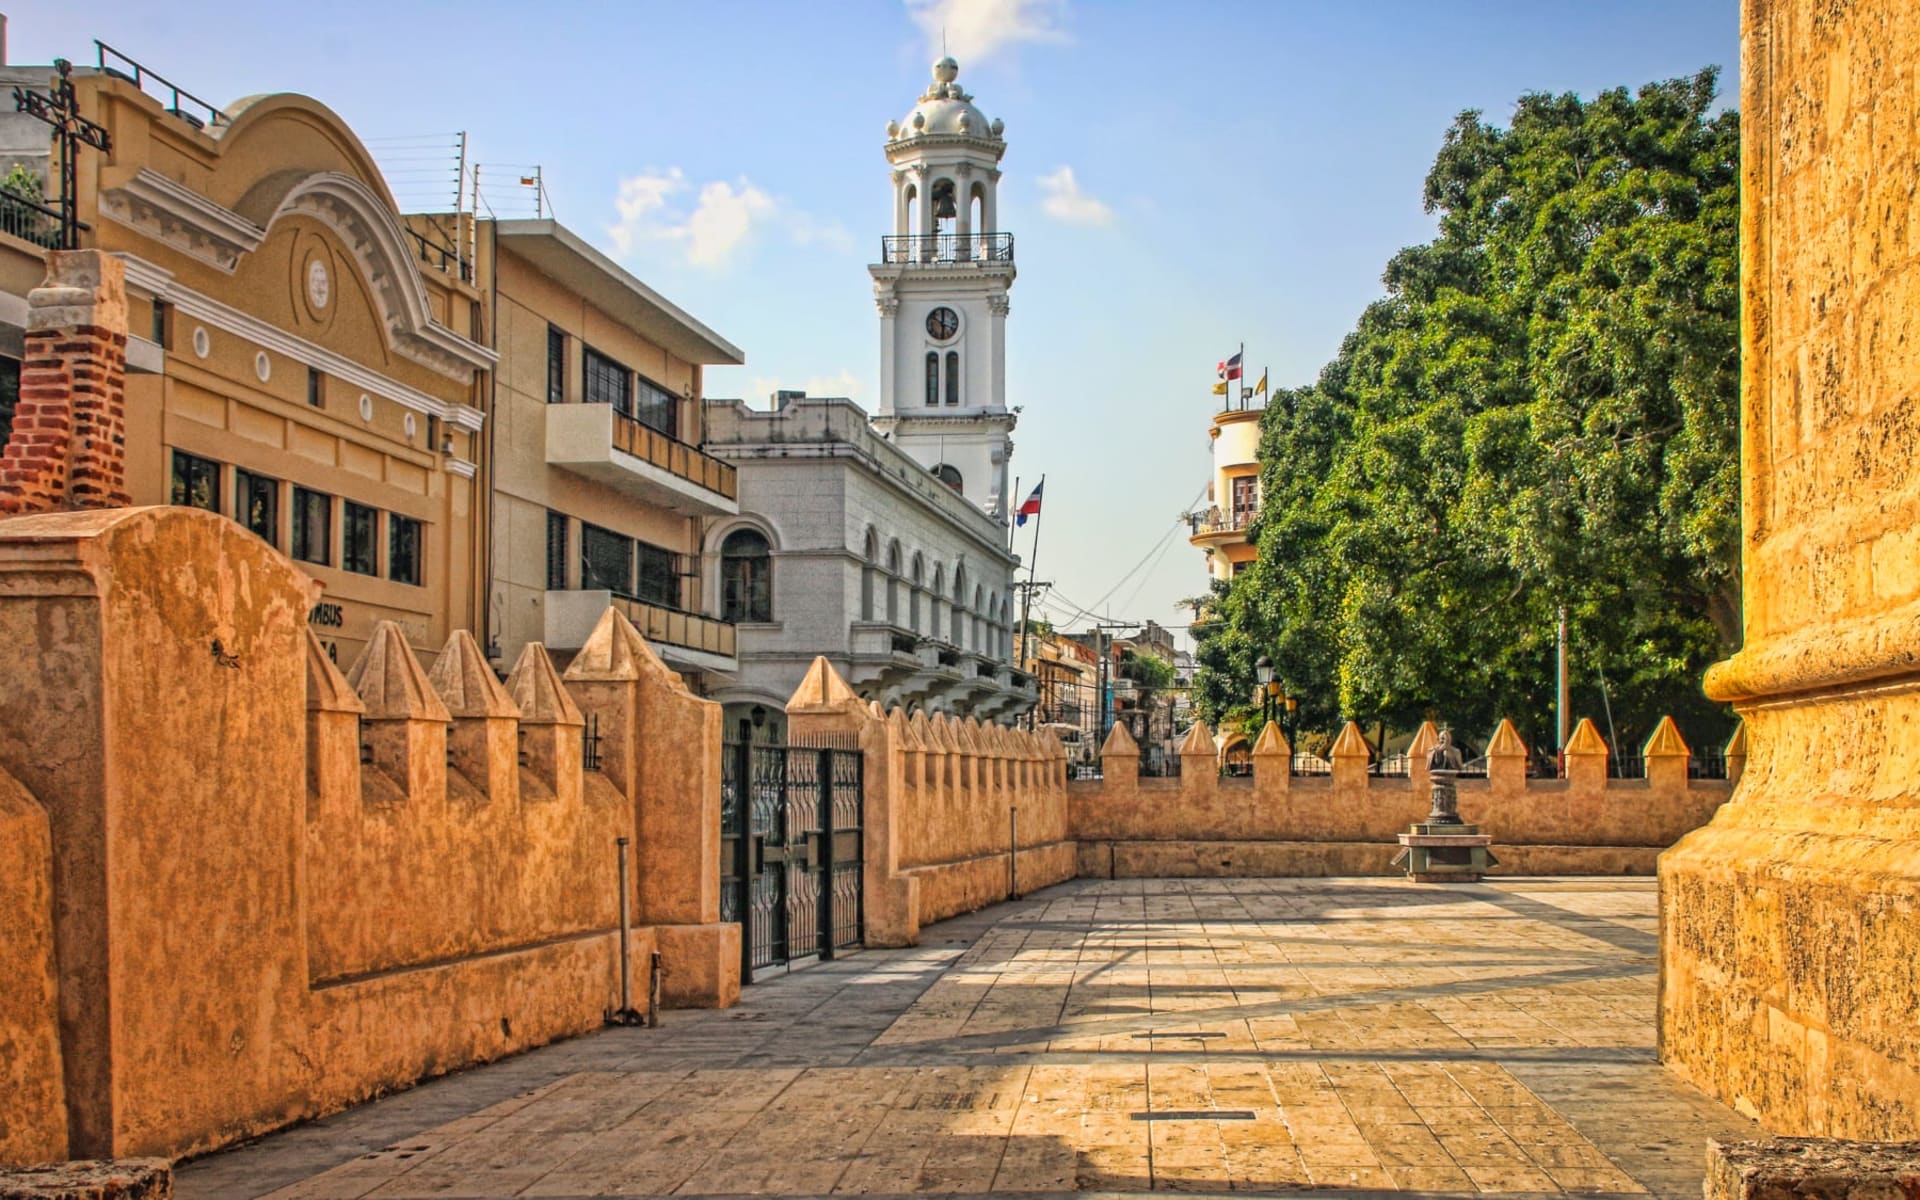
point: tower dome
(946, 110)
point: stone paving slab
(1356, 1037)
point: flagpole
(1010, 525)
(1026, 600)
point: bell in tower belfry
(941, 287)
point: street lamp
(1293, 730)
(1263, 674)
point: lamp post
(1293, 724)
(1263, 674)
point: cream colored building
(1233, 495)
(299, 370)
(599, 486)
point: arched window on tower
(945, 209)
(746, 577)
(933, 377)
(869, 571)
(893, 583)
(919, 578)
(947, 475)
(953, 377)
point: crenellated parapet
(1345, 821)
(950, 803)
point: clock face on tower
(942, 323)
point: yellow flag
(1220, 389)
(1261, 387)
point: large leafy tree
(1541, 414)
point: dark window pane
(313, 387)
(403, 549)
(746, 577)
(312, 526)
(556, 366)
(933, 378)
(656, 407)
(953, 377)
(359, 539)
(256, 502)
(196, 481)
(659, 575)
(556, 551)
(607, 382)
(606, 560)
(160, 323)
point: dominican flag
(1230, 369)
(1030, 507)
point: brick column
(68, 447)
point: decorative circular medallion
(202, 344)
(366, 407)
(411, 426)
(319, 286)
(262, 366)
(942, 323)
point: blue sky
(1235, 172)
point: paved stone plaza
(1201, 1035)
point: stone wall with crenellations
(1345, 823)
(244, 889)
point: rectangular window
(256, 505)
(556, 366)
(656, 407)
(360, 539)
(606, 560)
(556, 552)
(314, 387)
(196, 481)
(312, 526)
(659, 575)
(160, 323)
(403, 549)
(606, 382)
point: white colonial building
(847, 547)
(881, 542)
(941, 288)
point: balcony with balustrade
(686, 640)
(612, 447)
(947, 250)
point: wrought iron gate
(790, 850)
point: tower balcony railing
(946, 249)
(1219, 520)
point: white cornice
(176, 215)
(160, 284)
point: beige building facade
(600, 489)
(292, 366)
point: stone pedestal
(1443, 848)
(1445, 853)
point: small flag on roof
(1030, 507)
(1230, 369)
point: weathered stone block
(1813, 1169)
(113, 1179)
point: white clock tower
(941, 287)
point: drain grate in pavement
(1178, 1033)
(1197, 1114)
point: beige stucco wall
(1788, 986)
(251, 925)
(33, 1121)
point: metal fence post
(826, 855)
(743, 854)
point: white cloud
(722, 220)
(844, 385)
(1062, 199)
(972, 30)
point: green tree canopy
(1542, 412)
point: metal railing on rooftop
(946, 249)
(202, 115)
(690, 631)
(644, 442)
(30, 220)
(1219, 520)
